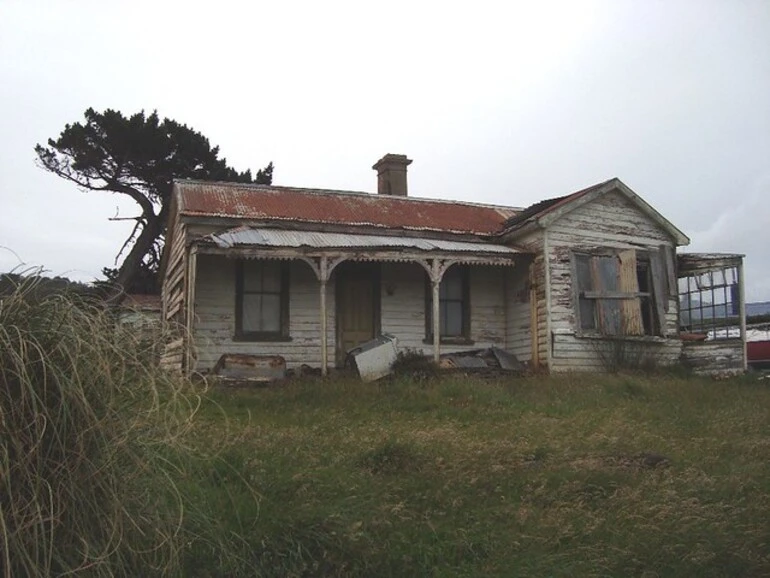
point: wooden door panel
(356, 308)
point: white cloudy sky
(499, 102)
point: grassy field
(469, 477)
(110, 467)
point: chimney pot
(391, 175)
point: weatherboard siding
(537, 310)
(403, 312)
(610, 221)
(214, 325)
(714, 356)
(518, 313)
(174, 279)
(173, 300)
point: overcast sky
(496, 102)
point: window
(615, 293)
(709, 302)
(454, 306)
(262, 301)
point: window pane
(610, 315)
(252, 276)
(643, 276)
(587, 314)
(647, 315)
(582, 263)
(252, 305)
(271, 313)
(262, 276)
(261, 297)
(261, 313)
(453, 322)
(451, 285)
(608, 273)
(271, 277)
(452, 304)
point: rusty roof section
(533, 212)
(290, 204)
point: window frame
(283, 332)
(708, 305)
(465, 335)
(650, 320)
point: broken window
(454, 305)
(616, 292)
(710, 303)
(262, 300)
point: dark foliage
(38, 286)
(413, 364)
(138, 156)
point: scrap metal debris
(477, 359)
(241, 368)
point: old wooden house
(577, 282)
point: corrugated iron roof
(280, 238)
(544, 207)
(216, 199)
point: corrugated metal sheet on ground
(232, 200)
(318, 240)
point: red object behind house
(758, 351)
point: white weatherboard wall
(610, 221)
(215, 316)
(518, 313)
(714, 356)
(403, 312)
(537, 307)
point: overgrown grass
(111, 468)
(521, 477)
(94, 457)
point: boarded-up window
(262, 308)
(615, 295)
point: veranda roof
(276, 238)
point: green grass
(109, 467)
(518, 477)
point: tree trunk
(128, 270)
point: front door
(357, 300)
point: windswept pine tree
(138, 156)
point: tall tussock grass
(86, 426)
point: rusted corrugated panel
(278, 238)
(688, 263)
(541, 208)
(199, 198)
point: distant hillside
(43, 286)
(721, 311)
(762, 308)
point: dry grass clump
(85, 422)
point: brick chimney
(391, 174)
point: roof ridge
(316, 191)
